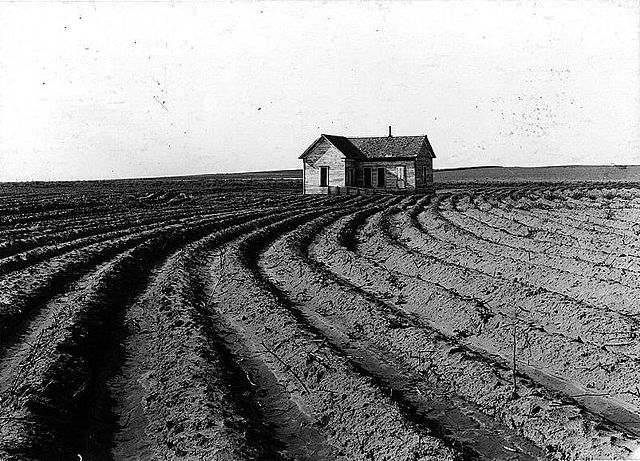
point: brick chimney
(389, 130)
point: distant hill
(264, 175)
(571, 173)
(481, 174)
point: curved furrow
(407, 266)
(65, 231)
(581, 220)
(223, 202)
(556, 227)
(178, 390)
(23, 217)
(591, 242)
(622, 231)
(52, 378)
(374, 327)
(345, 407)
(432, 225)
(76, 226)
(41, 253)
(44, 375)
(568, 276)
(551, 309)
(416, 388)
(594, 197)
(572, 248)
(562, 202)
(539, 307)
(24, 292)
(609, 219)
(479, 311)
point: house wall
(424, 183)
(391, 179)
(324, 154)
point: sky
(92, 90)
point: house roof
(344, 145)
(387, 147)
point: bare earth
(231, 318)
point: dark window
(381, 178)
(424, 174)
(324, 175)
(367, 177)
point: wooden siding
(391, 179)
(324, 154)
(424, 183)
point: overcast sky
(123, 89)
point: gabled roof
(344, 145)
(386, 147)
(389, 146)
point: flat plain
(229, 317)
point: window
(324, 175)
(367, 177)
(425, 170)
(381, 178)
(401, 175)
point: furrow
(446, 357)
(348, 409)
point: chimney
(389, 130)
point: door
(324, 176)
(381, 177)
(367, 177)
(401, 175)
(350, 179)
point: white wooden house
(337, 164)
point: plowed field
(176, 320)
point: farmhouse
(399, 164)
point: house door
(401, 174)
(381, 177)
(367, 177)
(351, 177)
(324, 175)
